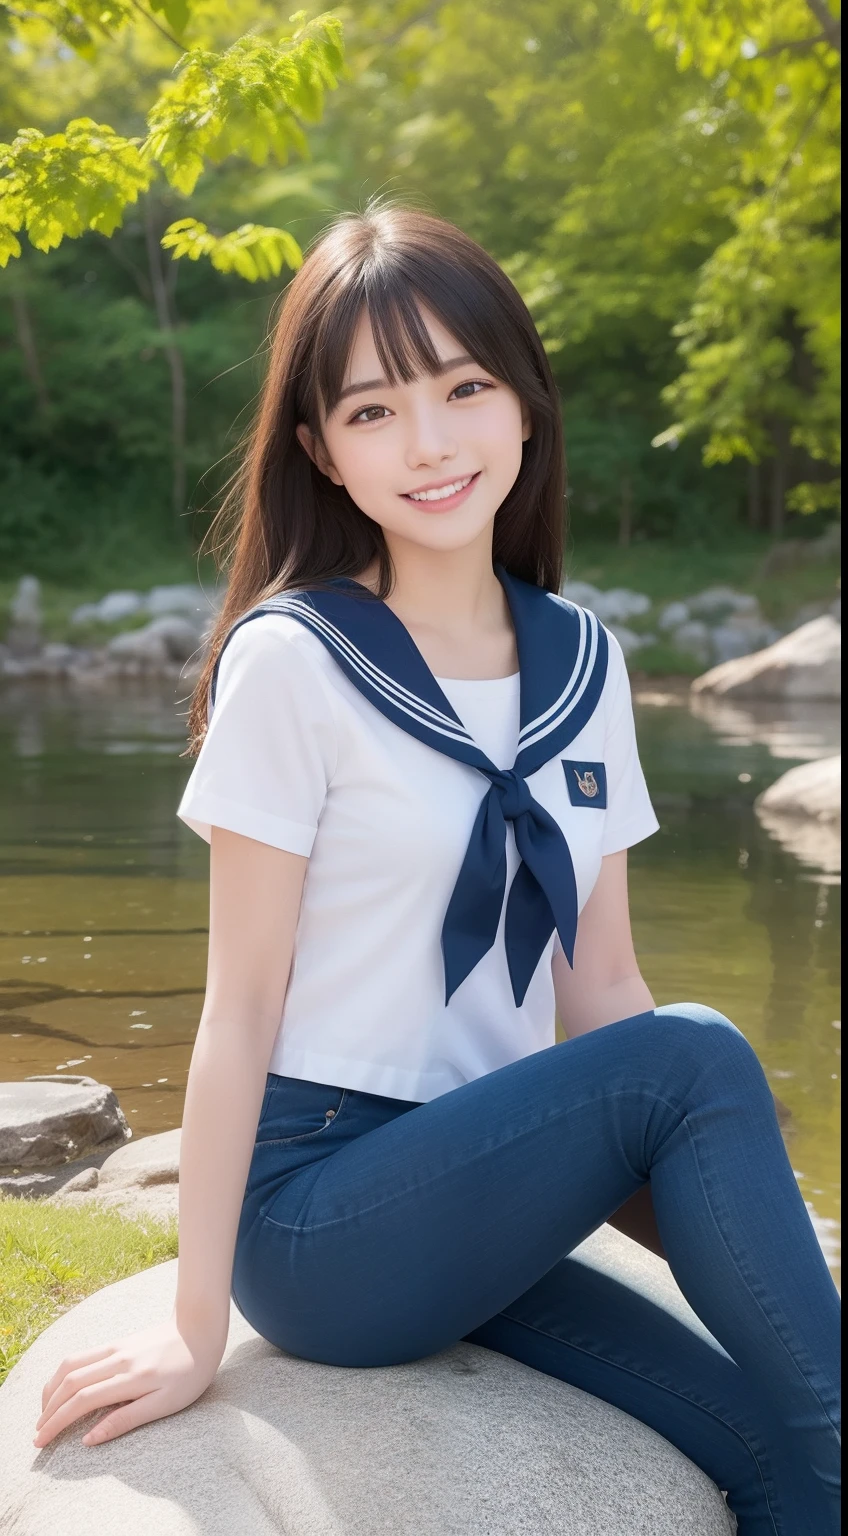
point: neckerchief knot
(513, 794)
(562, 653)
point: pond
(104, 901)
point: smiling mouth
(450, 493)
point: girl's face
(430, 461)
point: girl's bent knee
(705, 1031)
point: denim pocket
(296, 1110)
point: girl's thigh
(408, 1237)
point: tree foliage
(658, 176)
(249, 99)
(761, 338)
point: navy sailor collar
(563, 657)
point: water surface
(104, 901)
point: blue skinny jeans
(376, 1230)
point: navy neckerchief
(562, 657)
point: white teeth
(443, 492)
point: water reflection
(790, 729)
(104, 908)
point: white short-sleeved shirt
(296, 757)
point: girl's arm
(255, 893)
(604, 986)
(254, 901)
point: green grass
(53, 1256)
(664, 571)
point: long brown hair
(284, 524)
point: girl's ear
(314, 447)
(526, 423)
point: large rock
(803, 811)
(463, 1441)
(138, 1180)
(53, 1119)
(805, 664)
(742, 635)
(813, 789)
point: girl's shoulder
(268, 656)
(267, 640)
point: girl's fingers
(142, 1411)
(80, 1376)
(100, 1395)
(87, 1357)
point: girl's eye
(364, 414)
(472, 384)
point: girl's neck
(455, 609)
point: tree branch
(9, 10)
(830, 24)
(158, 25)
(796, 45)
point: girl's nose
(429, 441)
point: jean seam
(643, 1376)
(487, 1152)
(772, 1326)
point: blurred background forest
(659, 177)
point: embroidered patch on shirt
(587, 783)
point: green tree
(761, 338)
(201, 101)
(560, 136)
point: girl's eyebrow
(444, 367)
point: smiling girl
(418, 775)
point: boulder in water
(805, 664)
(49, 1120)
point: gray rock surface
(463, 1441)
(673, 615)
(803, 812)
(717, 603)
(181, 635)
(24, 633)
(584, 593)
(812, 790)
(614, 606)
(184, 598)
(142, 645)
(49, 1120)
(693, 639)
(805, 664)
(628, 639)
(139, 1179)
(742, 635)
(119, 605)
(619, 604)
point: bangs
(404, 346)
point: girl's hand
(151, 1373)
